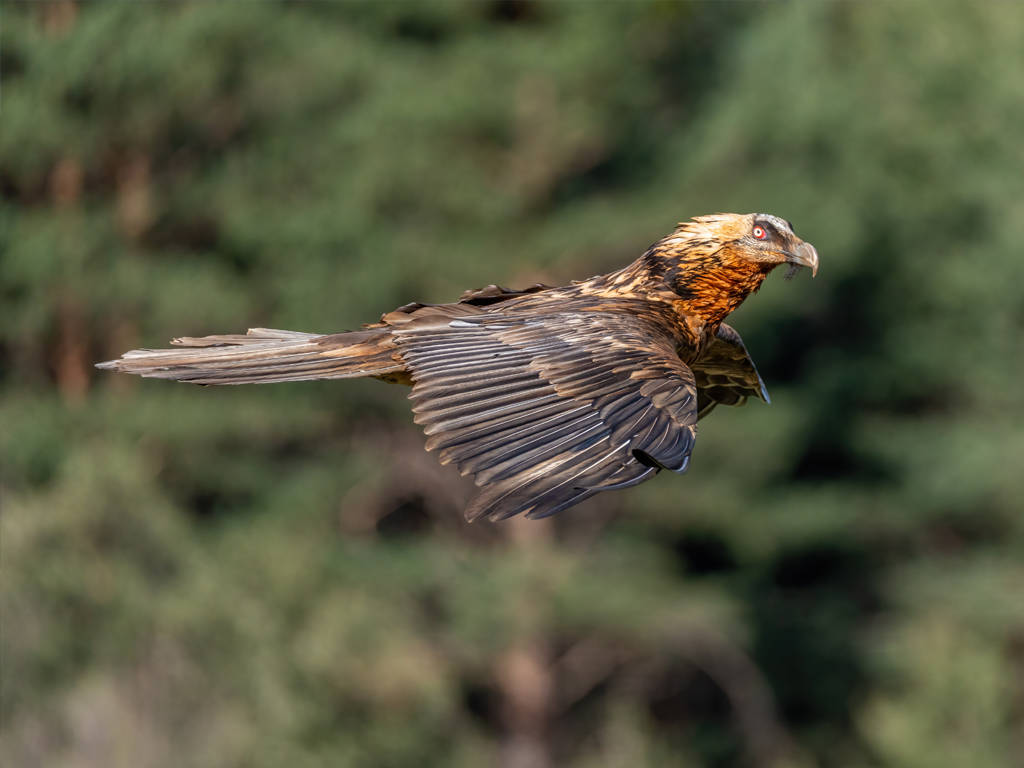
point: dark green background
(270, 576)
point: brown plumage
(545, 396)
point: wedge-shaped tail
(265, 355)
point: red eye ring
(760, 233)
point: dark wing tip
(649, 461)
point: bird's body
(550, 394)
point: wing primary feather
(501, 491)
(489, 452)
(637, 478)
(423, 401)
(627, 429)
(445, 423)
(478, 441)
(488, 428)
(499, 360)
(428, 414)
(676, 453)
(581, 494)
(427, 387)
(660, 429)
(539, 498)
(580, 378)
(521, 461)
(460, 352)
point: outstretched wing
(547, 410)
(725, 374)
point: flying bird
(547, 395)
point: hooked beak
(804, 255)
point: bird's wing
(725, 374)
(547, 410)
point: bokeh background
(268, 576)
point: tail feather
(265, 355)
(252, 336)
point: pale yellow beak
(804, 255)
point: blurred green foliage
(280, 576)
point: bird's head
(710, 264)
(764, 240)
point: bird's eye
(760, 233)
